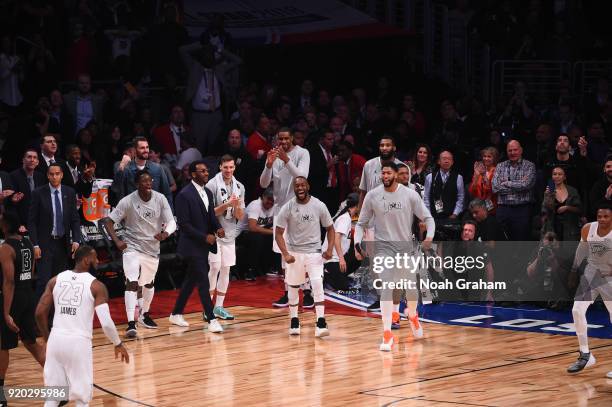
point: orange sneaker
(395, 320)
(387, 343)
(415, 325)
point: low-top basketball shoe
(178, 319)
(415, 325)
(584, 360)
(282, 302)
(387, 344)
(609, 375)
(146, 320)
(308, 300)
(321, 328)
(214, 326)
(130, 331)
(294, 329)
(395, 320)
(222, 313)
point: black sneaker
(282, 302)
(130, 332)
(307, 301)
(294, 329)
(321, 328)
(146, 320)
(584, 360)
(375, 306)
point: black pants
(337, 279)
(54, 260)
(196, 274)
(259, 252)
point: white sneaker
(321, 329)
(387, 344)
(214, 326)
(609, 375)
(416, 326)
(178, 320)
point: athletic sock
(219, 301)
(411, 309)
(294, 298)
(580, 323)
(396, 307)
(386, 309)
(130, 304)
(320, 311)
(147, 298)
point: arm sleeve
(496, 183)
(342, 225)
(524, 184)
(108, 326)
(364, 218)
(300, 170)
(266, 177)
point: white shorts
(139, 267)
(226, 254)
(592, 285)
(311, 263)
(70, 365)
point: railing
(586, 74)
(542, 77)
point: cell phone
(551, 185)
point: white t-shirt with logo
(342, 225)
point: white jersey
(282, 175)
(74, 304)
(600, 248)
(221, 193)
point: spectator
(567, 117)
(409, 105)
(169, 137)
(542, 147)
(598, 148)
(48, 150)
(57, 119)
(207, 77)
(420, 166)
(488, 228)
(10, 70)
(155, 156)
(25, 180)
(125, 177)
(323, 175)
(79, 54)
(484, 170)
(324, 102)
(299, 138)
(602, 190)
(53, 226)
(444, 190)
(78, 175)
(374, 125)
(83, 105)
(513, 183)
(282, 113)
(561, 208)
(258, 144)
(306, 99)
(87, 143)
(258, 239)
(350, 167)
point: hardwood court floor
(255, 363)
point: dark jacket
(82, 187)
(194, 222)
(20, 184)
(40, 220)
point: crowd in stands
(532, 168)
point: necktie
(332, 171)
(75, 175)
(213, 105)
(59, 217)
(31, 183)
(52, 161)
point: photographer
(548, 278)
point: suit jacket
(43, 167)
(196, 69)
(97, 102)
(318, 174)
(7, 183)
(82, 187)
(40, 220)
(165, 139)
(194, 222)
(20, 183)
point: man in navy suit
(198, 225)
(25, 181)
(54, 226)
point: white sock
(386, 309)
(319, 296)
(147, 298)
(396, 307)
(220, 298)
(130, 304)
(411, 309)
(579, 313)
(294, 298)
(140, 303)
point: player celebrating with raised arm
(301, 218)
(392, 208)
(75, 294)
(228, 195)
(148, 220)
(596, 247)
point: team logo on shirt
(600, 248)
(306, 217)
(146, 213)
(393, 206)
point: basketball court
(256, 362)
